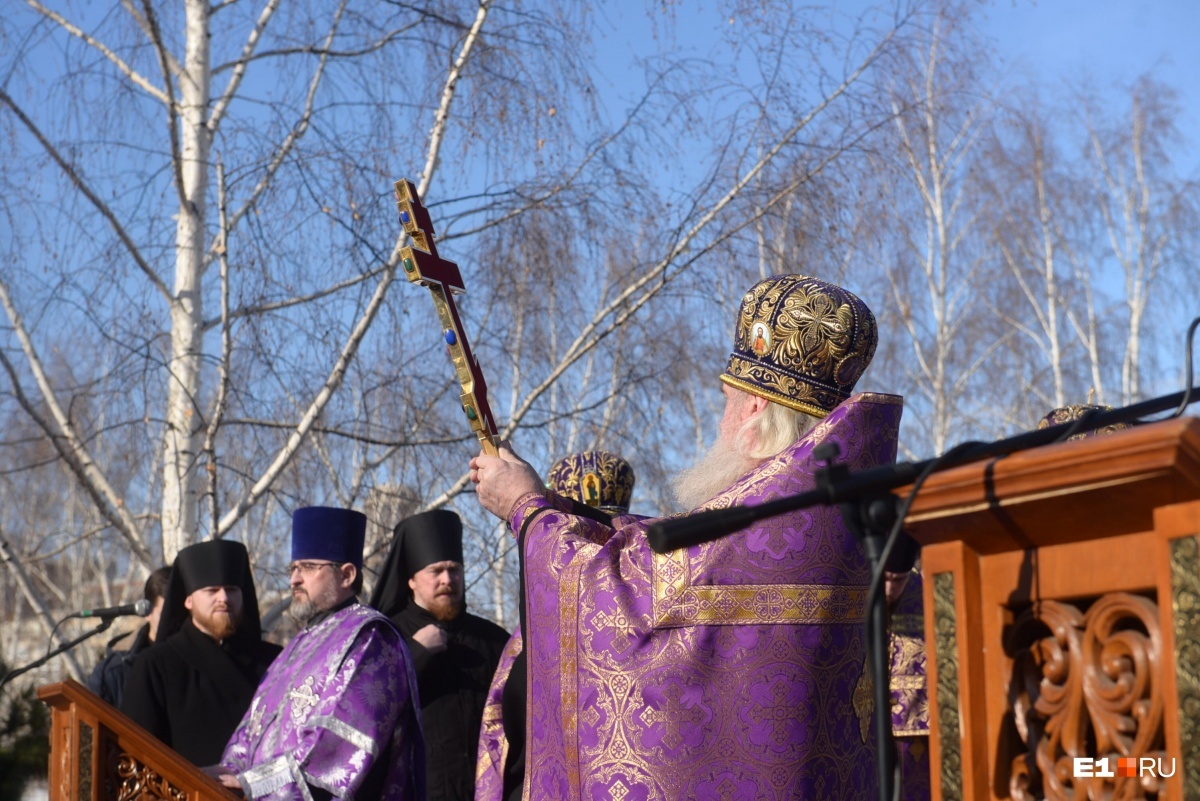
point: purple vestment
(910, 696)
(733, 669)
(340, 698)
(493, 743)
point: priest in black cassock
(192, 688)
(455, 653)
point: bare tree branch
(581, 344)
(239, 66)
(443, 111)
(294, 136)
(62, 435)
(299, 300)
(133, 75)
(175, 67)
(87, 192)
(172, 115)
(214, 422)
(318, 404)
(38, 605)
(314, 50)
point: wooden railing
(98, 754)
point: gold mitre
(801, 342)
(596, 478)
(1069, 414)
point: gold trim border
(677, 602)
(568, 640)
(755, 604)
(781, 399)
(945, 627)
(1185, 621)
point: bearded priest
(337, 715)
(191, 688)
(735, 668)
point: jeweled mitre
(801, 342)
(597, 478)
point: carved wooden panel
(946, 639)
(140, 783)
(1185, 618)
(1085, 684)
(86, 777)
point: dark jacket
(453, 686)
(191, 693)
(107, 679)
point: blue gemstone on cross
(405, 217)
(450, 338)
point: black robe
(108, 678)
(191, 693)
(453, 686)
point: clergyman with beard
(191, 688)
(454, 652)
(336, 715)
(732, 668)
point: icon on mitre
(760, 339)
(591, 489)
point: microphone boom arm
(12, 674)
(694, 529)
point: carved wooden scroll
(1086, 684)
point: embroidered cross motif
(675, 716)
(620, 624)
(778, 714)
(303, 699)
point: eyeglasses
(308, 568)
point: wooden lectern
(98, 754)
(1062, 619)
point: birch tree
(932, 261)
(203, 325)
(1146, 211)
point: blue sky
(1111, 42)
(1055, 43)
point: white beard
(712, 473)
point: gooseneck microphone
(141, 609)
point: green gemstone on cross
(470, 412)
(409, 266)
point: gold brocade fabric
(732, 669)
(910, 697)
(801, 342)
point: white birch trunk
(183, 438)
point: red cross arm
(422, 265)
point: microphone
(141, 609)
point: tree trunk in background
(183, 437)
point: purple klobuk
(733, 669)
(340, 697)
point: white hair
(757, 439)
(775, 428)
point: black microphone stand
(870, 518)
(874, 514)
(12, 674)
